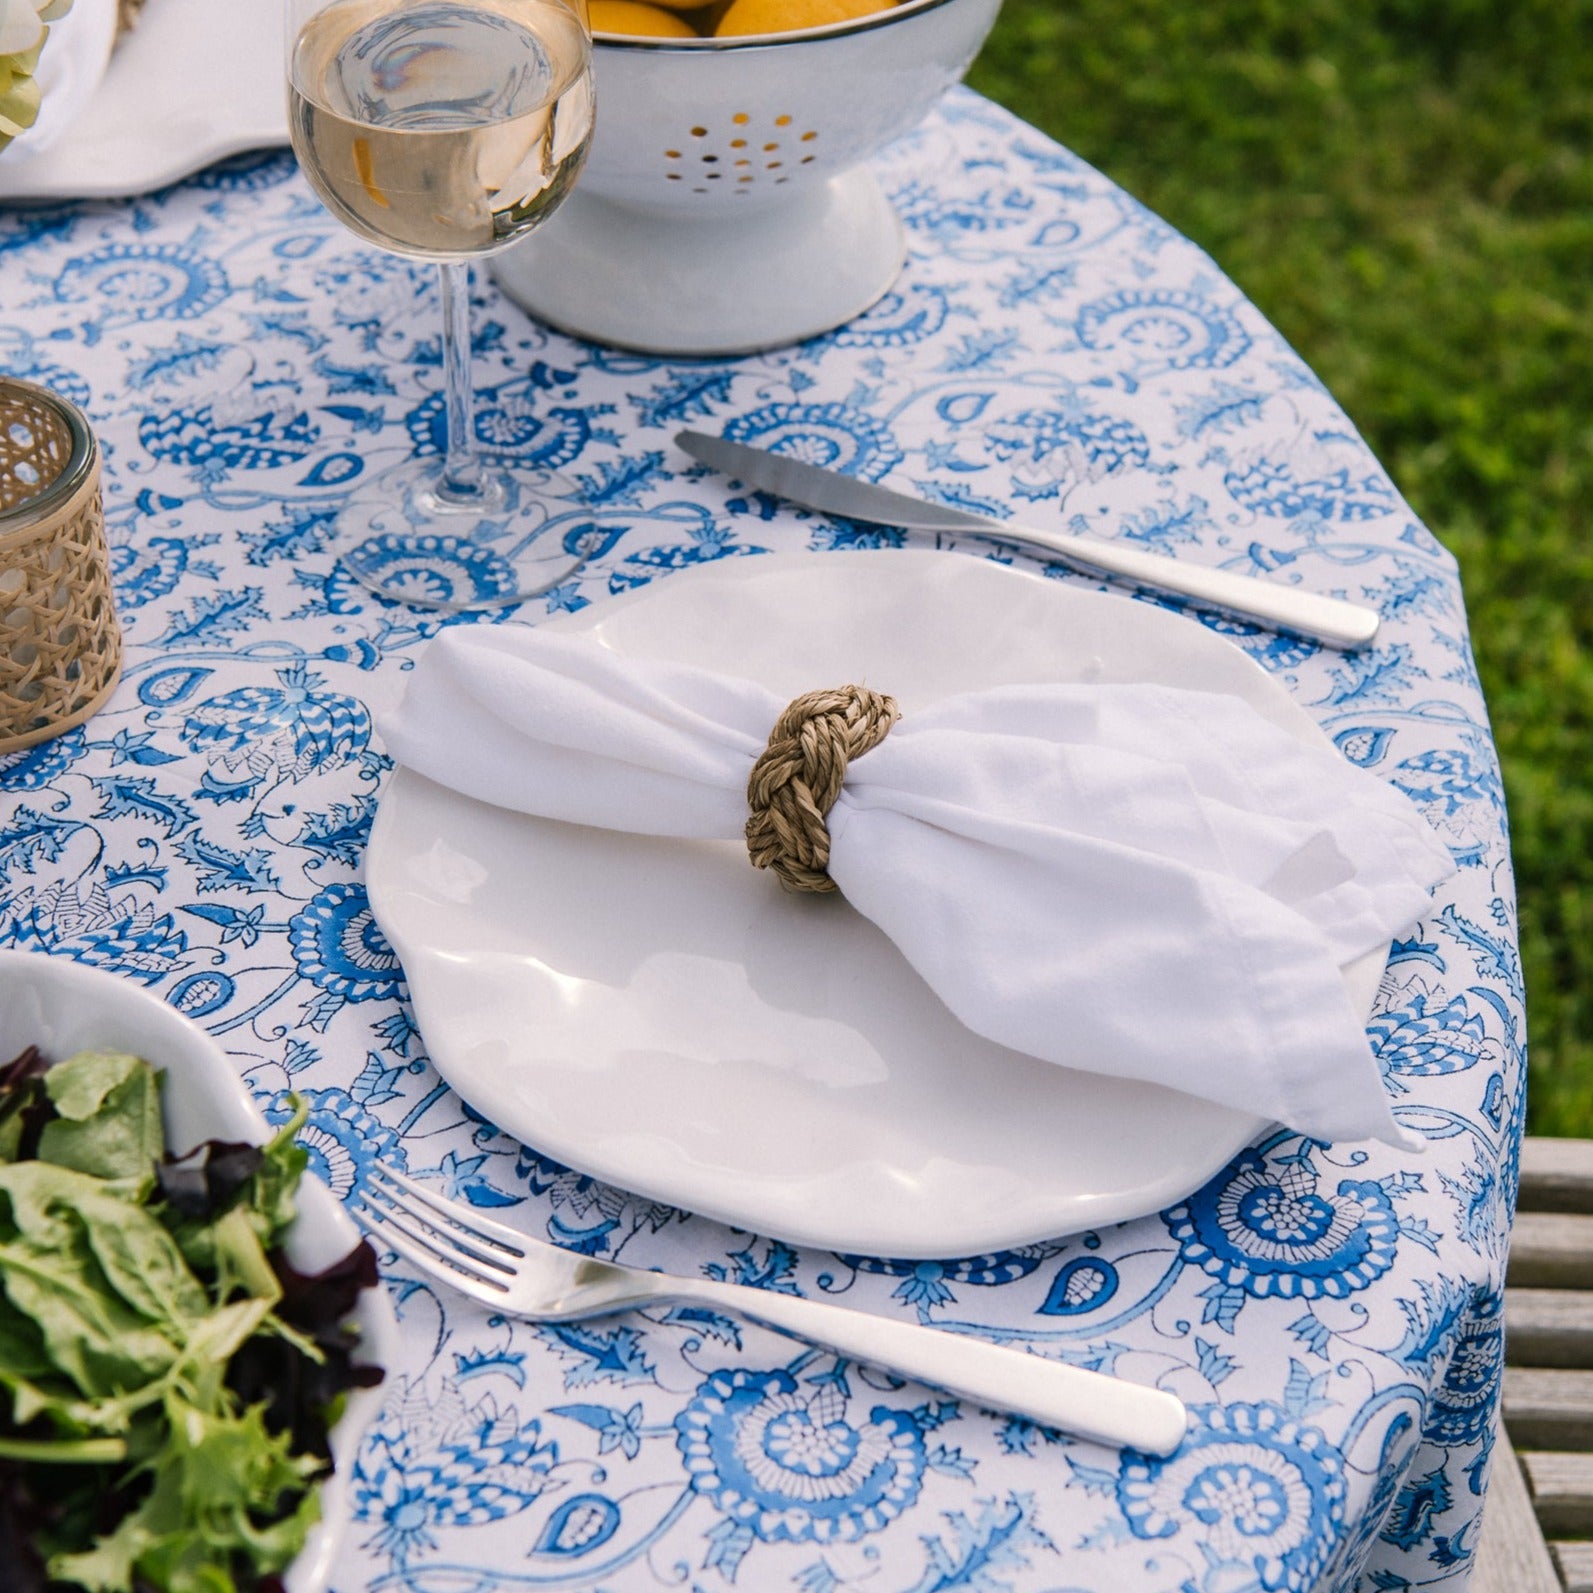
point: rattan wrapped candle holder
(60, 645)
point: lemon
(635, 19)
(789, 16)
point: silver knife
(1329, 620)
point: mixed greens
(167, 1378)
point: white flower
(22, 23)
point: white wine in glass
(445, 130)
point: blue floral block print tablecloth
(1330, 1314)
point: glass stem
(461, 477)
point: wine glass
(444, 130)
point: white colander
(723, 207)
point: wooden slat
(1542, 1482)
(1511, 1554)
(1562, 1492)
(1551, 1250)
(1549, 1409)
(1548, 1327)
(1575, 1564)
(1556, 1175)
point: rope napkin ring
(798, 776)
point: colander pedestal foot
(781, 269)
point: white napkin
(1129, 879)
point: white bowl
(63, 1007)
(723, 207)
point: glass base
(409, 539)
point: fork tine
(416, 1248)
(450, 1236)
(483, 1228)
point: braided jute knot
(797, 778)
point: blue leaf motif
(236, 926)
(376, 1083)
(581, 1524)
(334, 470)
(1313, 1333)
(952, 1461)
(1214, 1365)
(210, 619)
(1420, 1501)
(168, 687)
(689, 395)
(599, 1354)
(728, 1542)
(963, 409)
(1223, 1301)
(138, 798)
(32, 838)
(134, 747)
(1364, 745)
(220, 868)
(1084, 1284)
(1302, 1394)
(490, 1362)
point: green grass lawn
(1405, 189)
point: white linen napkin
(1128, 879)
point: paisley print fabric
(1330, 1313)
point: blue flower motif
(1462, 1406)
(1260, 1489)
(1163, 329)
(1451, 778)
(196, 435)
(1104, 442)
(431, 1464)
(786, 1464)
(838, 436)
(290, 728)
(508, 425)
(927, 1284)
(896, 320)
(147, 571)
(339, 946)
(1421, 1041)
(144, 282)
(84, 921)
(35, 767)
(1270, 1230)
(436, 569)
(46, 373)
(247, 173)
(1271, 487)
(343, 1139)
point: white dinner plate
(194, 82)
(661, 1015)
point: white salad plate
(63, 1007)
(194, 82)
(660, 1015)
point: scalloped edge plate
(659, 1015)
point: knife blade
(1329, 620)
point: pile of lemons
(692, 19)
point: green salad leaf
(168, 1380)
(107, 1116)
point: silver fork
(525, 1277)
